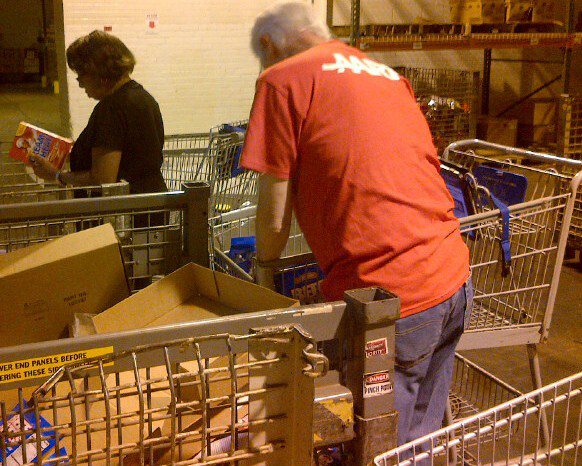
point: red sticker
(376, 347)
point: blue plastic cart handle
(505, 244)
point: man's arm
(273, 217)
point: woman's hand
(42, 167)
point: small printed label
(45, 366)
(534, 41)
(417, 46)
(376, 384)
(376, 347)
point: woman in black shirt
(125, 133)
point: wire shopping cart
(470, 439)
(185, 159)
(211, 158)
(49, 192)
(156, 231)
(292, 280)
(570, 146)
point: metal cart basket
(522, 444)
(199, 400)
(570, 146)
(212, 159)
(52, 192)
(156, 231)
(193, 380)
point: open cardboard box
(190, 293)
(44, 285)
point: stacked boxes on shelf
(499, 11)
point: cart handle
(540, 156)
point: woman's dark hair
(102, 55)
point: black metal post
(486, 84)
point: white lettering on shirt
(357, 66)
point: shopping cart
(16, 175)
(156, 230)
(476, 440)
(193, 383)
(232, 187)
(517, 251)
(211, 158)
(185, 159)
(50, 192)
(570, 146)
(240, 223)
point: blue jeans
(425, 349)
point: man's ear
(265, 41)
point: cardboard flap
(248, 297)
(149, 304)
(190, 293)
(38, 255)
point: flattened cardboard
(190, 293)
(44, 285)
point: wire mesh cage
(523, 443)
(448, 99)
(213, 399)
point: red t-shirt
(367, 191)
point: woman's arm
(104, 168)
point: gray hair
(284, 21)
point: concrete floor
(560, 356)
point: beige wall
(198, 65)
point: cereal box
(30, 139)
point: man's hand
(42, 167)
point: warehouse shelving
(427, 37)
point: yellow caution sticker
(45, 366)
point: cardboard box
(498, 130)
(44, 285)
(540, 111)
(494, 11)
(466, 11)
(477, 11)
(188, 294)
(549, 11)
(519, 10)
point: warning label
(376, 384)
(45, 366)
(376, 347)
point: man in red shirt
(339, 139)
